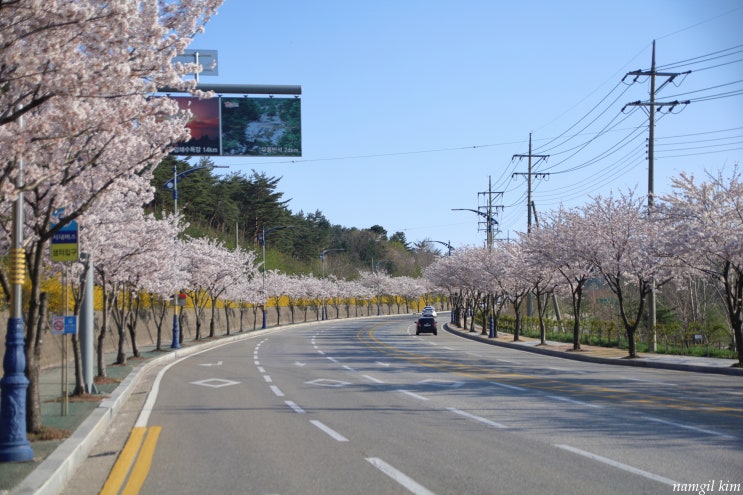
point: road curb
(639, 362)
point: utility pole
(652, 104)
(529, 176)
(529, 205)
(488, 208)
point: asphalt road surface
(367, 407)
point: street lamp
(14, 445)
(448, 245)
(173, 184)
(262, 240)
(322, 258)
(490, 221)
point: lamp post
(14, 445)
(262, 240)
(322, 258)
(173, 184)
(490, 223)
(448, 245)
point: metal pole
(14, 445)
(652, 339)
(176, 344)
(263, 244)
(87, 327)
(322, 258)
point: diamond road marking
(215, 383)
(324, 382)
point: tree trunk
(212, 322)
(540, 313)
(517, 323)
(121, 354)
(631, 344)
(227, 317)
(577, 298)
(33, 358)
(79, 380)
(101, 343)
(132, 327)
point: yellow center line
(140, 447)
(144, 462)
(126, 458)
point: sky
(415, 109)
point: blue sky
(412, 108)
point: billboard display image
(204, 126)
(261, 127)
(242, 126)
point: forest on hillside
(237, 209)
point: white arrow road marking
(380, 363)
(297, 363)
(211, 364)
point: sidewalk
(606, 355)
(78, 410)
(55, 461)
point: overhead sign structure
(206, 58)
(242, 126)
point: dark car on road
(426, 324)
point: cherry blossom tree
(244, 292)
(625, 249)
(410, 289)
(376, 282)
(212, 269)
(275, 287)
(489, 267)
(298, 294)
(237, 270)
(76, 114)
(559, 242)
(541, 276)
(514, 285)
(124, 267)
(334, 294)
(705, 232)
(441, 274)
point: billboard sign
(242, 126)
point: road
(366, 406)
